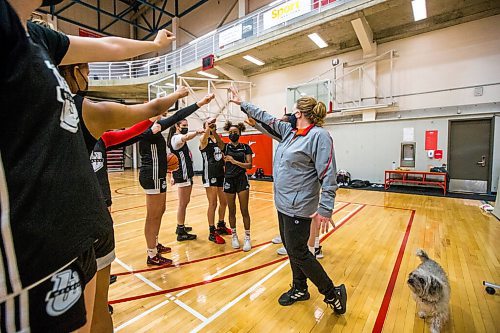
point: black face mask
(234, 137)
(184, 130)
(293, 121)
(50, 2)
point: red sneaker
(158, 260)
(222, 229)
(214, 237)
(163, 249)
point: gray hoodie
(303, 169)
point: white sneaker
(235, 242)
(246, 244)
(277, 240)
(282, 251)
(318, 252)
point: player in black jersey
(47, 264)
(152, 177)
(211, 146)
(177, 139)
(238, 158)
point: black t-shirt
(90, 141)
(46, 181)
(213, 163)
(239, 153)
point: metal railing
(253, 26)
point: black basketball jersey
(99, 161)
(213, 162)
(239, 153)
(185, 170)
(49, 195)
(90, 141)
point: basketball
(172, 162)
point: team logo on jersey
(97, 160)
(163, 184)
(227, 186)
(66, 291)
(69, 115)
(217, 154)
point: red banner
(431, 140)
(87, 33)
(262, 147)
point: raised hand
(163, 39)
(200, 131)
(235, 97)
(250, 121)
(182, 91)
(205, 100)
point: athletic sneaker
(318, 253)
(110, 309)
(188, 229)
(214, 237)
(247, 246)
(277, 240)
(235, 243)
(222, 229)
(293, 295)
(337, 299)
(281, 251)
(163, 249)
(184, 236)
(158, 260)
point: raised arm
(280, 127)
(114, 138)
(84, 49)
(102, 116)
(184, 113)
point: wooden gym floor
(213, 288)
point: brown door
(469, 155)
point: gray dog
(431, 290)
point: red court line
(202, 259)
(224, 277)
(384, 308)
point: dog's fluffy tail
(422, 255)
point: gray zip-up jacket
(304, 168)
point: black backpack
(343, 178)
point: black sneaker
(110, 309)
(112, 279)
(188, 229)
(337, 299)
(184, 236)
(222, 229)
(294, 295)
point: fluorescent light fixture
(419, 9)
(254, 60)
(318, 40)
(208, 75)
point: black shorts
(182, 182)
(153, 186)
(236, 184)
(105, 250)
(55, 305)
(214, 181)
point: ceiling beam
(193, 7)
(365, 36)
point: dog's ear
(435, 288)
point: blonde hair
(313, 110)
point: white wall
(434, 76)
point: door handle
(483, 161)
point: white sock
(152, 252)
(233, 231)
(311, 249)
(316, 242)
(247, 234)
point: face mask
(293, 121)
(184, 130)
(234, 137)
(50, 2)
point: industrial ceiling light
(254, 60)
(208, 75)
(318, 40)
(419, 9)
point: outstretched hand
(250, 121)
(182, 91)
(323, 223)
(163, 39)
(235, 97)
(205, 100)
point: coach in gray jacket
(304, 193)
